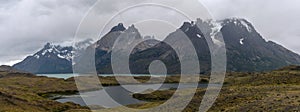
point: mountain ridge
(247, 50)
(50, 59)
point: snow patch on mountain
(52, 49)
(37, 56)
(215, 32)
(198, 35)
(246, 25)
(68, 56)
(241, 22)
(242, 41)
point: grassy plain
(269, 91)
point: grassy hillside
(21, 94)
(272, 91)
(25, 92)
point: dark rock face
(247, 51)
(119, 27)
(167, 54)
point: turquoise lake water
(66, 76)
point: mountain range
(51, 59)
(247, 50)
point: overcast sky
(26, 25)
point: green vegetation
(270, 91)
(22, 94)
(27, 92)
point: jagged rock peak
(47, 45)
(186, 26)
(50, 49)
(51, 46)
(133, 30)
(119, 27)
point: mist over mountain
(247, 50)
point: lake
(62, 76)
(66, 76)
(118, 93)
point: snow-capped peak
(50, 50)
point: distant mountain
(247, 50)
(8, 71)
(5, 68)
(57, 59)
(290, 68)
(50, 59)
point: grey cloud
(8, 2)
(276, 20)
(26, 25)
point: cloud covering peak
(26, 25)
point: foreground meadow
(278, 90)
